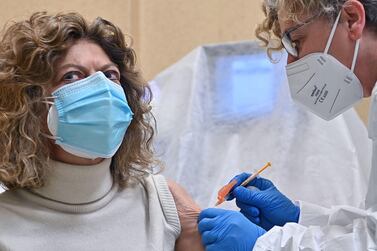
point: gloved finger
(210, 213)
(208, 238)
(257, 183)
(239, 178)
(230, 196)
(251, 188)
(212, 247)
(248, 209)
(252, 198)
(265, 223)
(255, 220)
(206, 224)
(261, 183)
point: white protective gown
(340, 228)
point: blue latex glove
(227, 230)
(274, 208)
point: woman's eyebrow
(84, 69)
(80, 67)
(106, 66)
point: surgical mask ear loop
(50, 103)
(49, 136)
(329, 41)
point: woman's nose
(92, 71)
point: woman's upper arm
(188, 212)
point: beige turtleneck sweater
(80, 208)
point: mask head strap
(329, 41)
(357, 45)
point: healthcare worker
(332, 60)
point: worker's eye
(72, 76)
(112, 75)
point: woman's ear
(354, 15)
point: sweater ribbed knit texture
(80, 208)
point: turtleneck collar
(76, 184)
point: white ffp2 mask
(322, 84)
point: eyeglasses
(286, 40)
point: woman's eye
(72, 76)
(112, 75)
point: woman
(75, 144)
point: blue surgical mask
(89, 117)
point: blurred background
(163, 31)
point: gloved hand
(274, 208)
(227, 230)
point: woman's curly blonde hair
(269, 30)
(28, 52)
